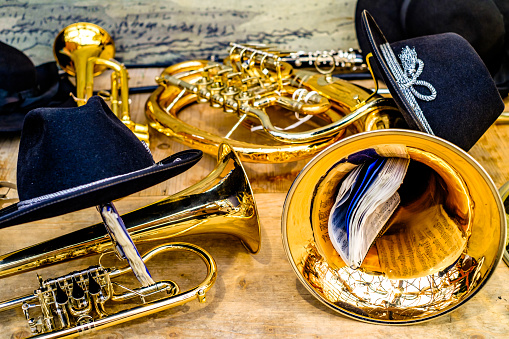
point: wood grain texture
(255, 295)
(159, 31)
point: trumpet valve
(215, 89)
(61, 302)
(230, 105)
(203, 93)
(34, 325)
(244, 98)
(79, 302)
(98, 296)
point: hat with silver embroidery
(73, 158)
(440, 84)
(480, 22)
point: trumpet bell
(392, 286)
(82, 37)
(222, 202)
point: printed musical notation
(163, 32)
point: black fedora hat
(480, 22)
(73, 158)
(440, 84)
(502, 76)
(24, 87)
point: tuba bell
(504, 193)
(258, 90)
(84, 50)
(77, 302)
(392, 286)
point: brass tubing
(16, 302)
(80, 60)
(293, 105)
(122, 76)
(148, 308)
(114, 102)
(320, 132)
(165, 103)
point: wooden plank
(255, 295)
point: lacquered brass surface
(70, 318)
(385, 294)
(222, 202)
(504, 193)
(256, 87)
(85, 50)
(82, 38)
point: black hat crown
(74, 158)
(74, 147)
(480, 22)
(440, 84)
(17, 72)
(24, 87)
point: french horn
(411, 273)
(85, 50)
(77, 302)
(259, 91)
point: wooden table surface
(254, 295)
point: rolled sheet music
(365, 201)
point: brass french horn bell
(85, 50)
(411, 273)
(220, 203)
(262, 93)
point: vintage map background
(163, 32)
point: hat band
(29, 202)
(406, 84)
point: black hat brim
(101, 192)
(467, 101)
(388, 17)
(376, 38)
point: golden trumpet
(85, 50)
(72, 304)
(254, 83)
